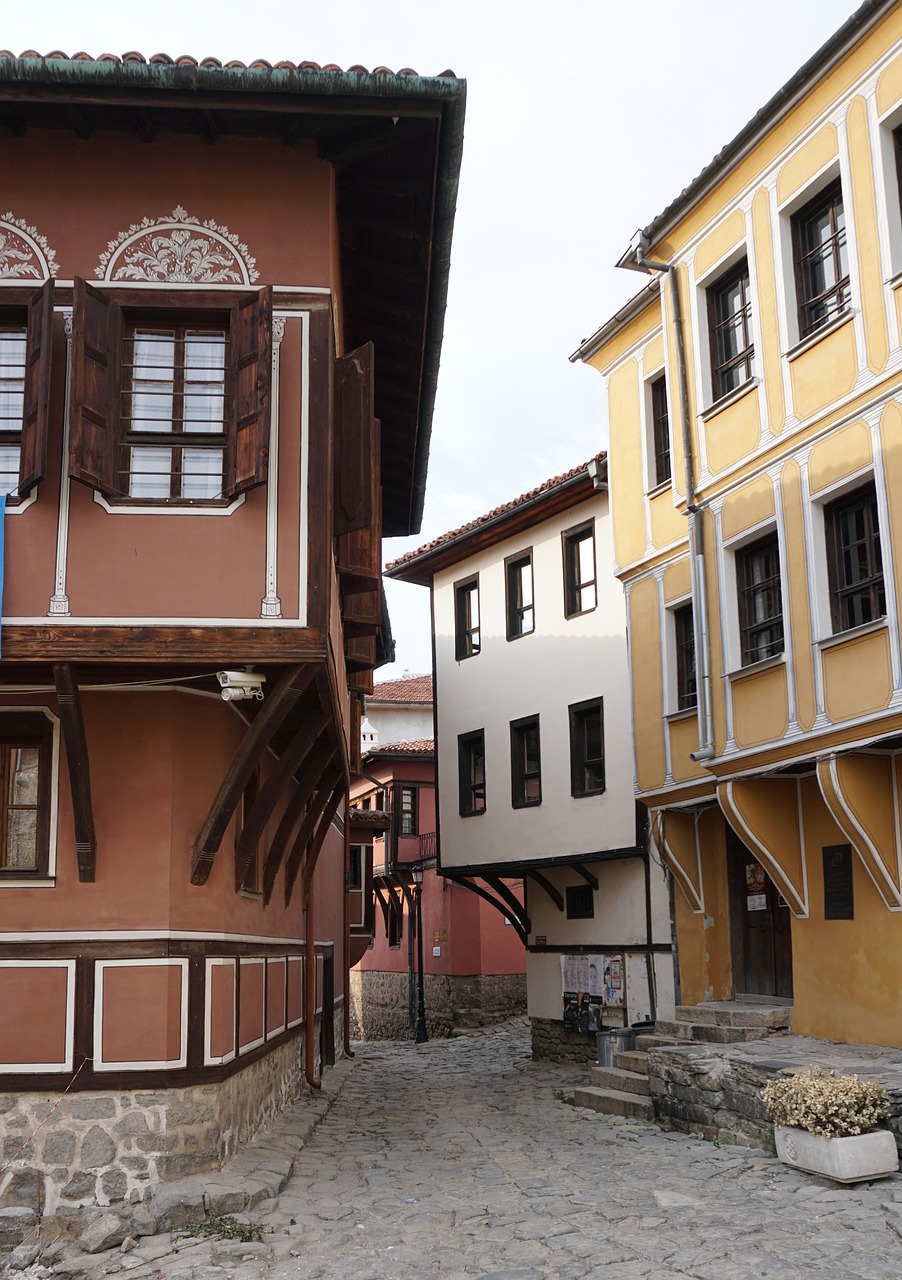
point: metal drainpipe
(696, 546)
(310, 993)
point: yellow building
(755, 405)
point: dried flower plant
(831, 1105)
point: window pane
(22, 838)
(201, 473)
(150, 474)
(204, 381)
(9, 468)
(12, 378)
(153, 358)
(23, 775)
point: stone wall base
(551, 1043)
(381, 1002)
(103, 1148)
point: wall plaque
(838, 897)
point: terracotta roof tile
(185, 60)
(412, 747)
(496, 512)
(406, 689)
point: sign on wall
(591, 984)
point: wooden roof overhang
(394, 143)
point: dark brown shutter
(247, 450)
(94, 415)
(37, 387)
(356, 463)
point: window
(526, 764)
(471, 771)
(407, 811)
(854, 559)
(580, 592)
(26, 317)
(684, 637)
(760, 600)
(182, 416)
(821, 260)
(394, 924)
(355, 867)
(580, 902)
(729, 325)
(466, 618)
(25, 768)
(518, 586)
(660, 425)
(587, 748)
(173, 411)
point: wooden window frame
(471, 792)
(100, 318)
(581, 761)
(520, 615)
(408, 815)
(467, 635)
(846, 593)
(580, 901)
(725, 366)
(684, 646)
(28, 729)
(836, 298)
(31, 310)
(660, 431)
(571, 541)
(521, 772)
(760, 637)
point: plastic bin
(605, 1039)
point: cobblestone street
(459, 1159)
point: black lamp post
(416, 872)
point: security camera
(236, 685)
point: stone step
(618, 1079)
(728, 1035)
(734, 1013)
(632, 1060)
(676, 1032)
(644, 1043)
(612, 1102)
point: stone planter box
(857, 1159)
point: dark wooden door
(327, 1024)
(761, 927)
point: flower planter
(856, 1159)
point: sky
(585, 118)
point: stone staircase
(624, 1089)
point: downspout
(346, 917)
(310, 992)
(696, 544)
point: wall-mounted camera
(236, 685)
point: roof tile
(186, 60)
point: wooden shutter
(247, 450)
(94, 415)
(37, 387)
(357, 475)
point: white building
(534, 753)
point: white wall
(399, 722)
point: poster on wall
(590, 984)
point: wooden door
(761, 927)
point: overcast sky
(585, 118)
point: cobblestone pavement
(458, 1159)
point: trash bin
(646, 1028)
(624, 1039)
(605, 1047)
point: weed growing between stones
(226, 1228)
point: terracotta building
(222, 292)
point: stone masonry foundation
(551, 1043)
(63, 1153)
(381, 1002)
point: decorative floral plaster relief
(177, 249)
(24, 253)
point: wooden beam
(519, 920)
(276, 707)
(125, 645)
(79, 770)
(586, 874)
(294, 810)
(505, 893)
(339, 791)
(261, 810)
(331, 775)
(554, 895)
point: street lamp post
(416, 872)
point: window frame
(686, 682)
(722, 366)
(30, 728)
(749, 591)
(840, 292)
(469, 785)
(32, 310)
(660, 456)
(98, 328)
(580, 902)
(521, 773)
(515, 606)
(467, 635)
(580, 759)
(408, 815)
(571, 540)
(874, 585)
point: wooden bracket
(79, 771)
